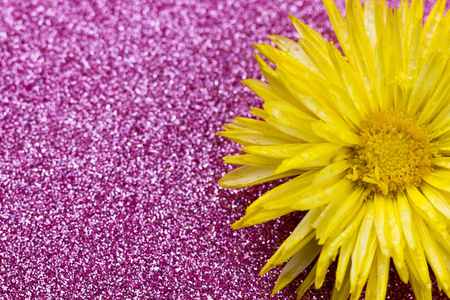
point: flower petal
(310, 90)
(298, 263)
(256, 213)
(442, 162)
(361, 56)
(397, 240)
(417, 263)
(247, 176)
(363, 248)
(427, 80)
(336, 168)
(420, 291)
(404, 209)
(293, 49)
(285, 150)
(307, 283)
(345, 254)
(424, 208)
(308, 155)
(302, 235)
(437, 199)
(338, 23)
(343, 292)
(347, 213)
(439, 179)
(430, 27)
(315, 200)
(335, 134)
(433, 255)
(251, 160)
(380, 222)
(378, 279)
(351, 82)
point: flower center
(394, 151)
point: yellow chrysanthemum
(367, 136)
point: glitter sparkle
(108, 157)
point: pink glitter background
(109, 160)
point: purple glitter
(108, 157)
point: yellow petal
(290, 120)
(262, 127)
(349, 212)
(421, 292)
(251, 137)
(305, 156)
(417, 264)
(277, 83)
(280, 151)
(442, 162)
(301, 129)
(299, 187)
(335, 134)
(331, 171)
(365, 267)
(251, 161)
(424, 208)
(404, 209)
(439, 179)
(344, 290)
(306, 284)
(437, 199)
(380, 222)
(303, 229)
(256, 213)
(273, 79)
(361, 253)
(429, 76)
(378, 279)
(318, 199)
(357, 98)
(381, 73)
(247, 176)
(433, 255)
(265, 91)
(443, 238)
(440, 124)
(361, 55)
(397, 240)
(327, 213)
(403, 9)
(444, 147)
(309, 90)
(338, 23)
(344, 257)
(395, 62)
(369, 22)
(260, 215)
(298, 263)
(322, 264)
(446, 258)
(273, 54)
(293, 49)
(316, 51)
(302, 236)
(413, 50)
(429, 29)
(330, 249)
(312, 36)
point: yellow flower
(367, 137)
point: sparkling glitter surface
(109, 160)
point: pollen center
(394, 151)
